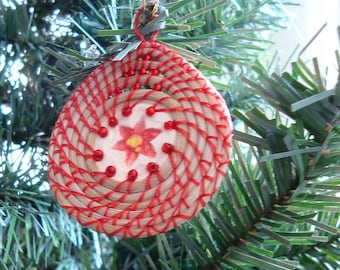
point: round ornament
(141, 145)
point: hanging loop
(149, 19)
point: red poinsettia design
(136, 141)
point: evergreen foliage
(278, 207)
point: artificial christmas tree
(277, 207)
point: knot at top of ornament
(150, 18)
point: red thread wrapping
(140, 203)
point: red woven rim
(141, 145)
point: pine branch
(304, 198)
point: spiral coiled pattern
(141, 145)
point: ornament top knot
(150, 18)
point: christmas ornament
(142, 144)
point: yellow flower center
(135, 142)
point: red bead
(147, 57)
(118, 91)
(130, 73)
(126, 111)
(151, 111)
(155, 72)
(110, 171)
(167, 148)
(102, 132)
(152, 167)
(98, 155)
(113, 121)
(157, 87)
(170, 125)
(137, 86)
(143, 71)
(132, 175)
